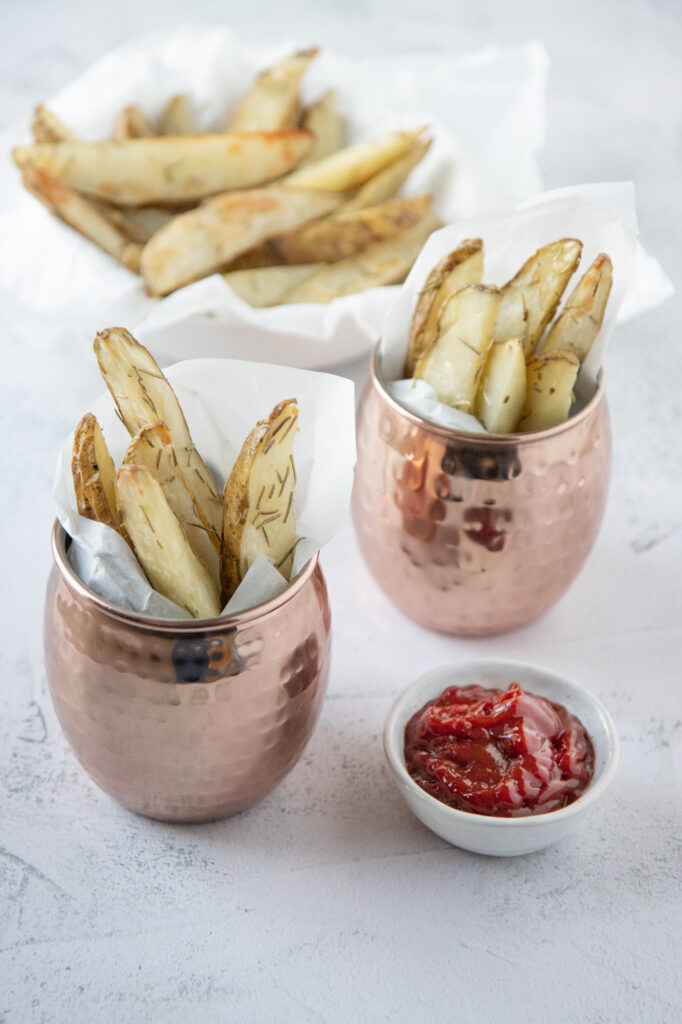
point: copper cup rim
(220, 624)
(468, 437)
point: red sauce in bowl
(504, 753)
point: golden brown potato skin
(93, 474)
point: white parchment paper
(602, 216)
(222, 399)
(485, 111)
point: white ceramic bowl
(501, 837)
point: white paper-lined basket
(602, 216)
(485, 111)
(222, 399)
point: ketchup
(498, 752)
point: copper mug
(474, 534)
(186, 721)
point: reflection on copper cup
(474, 534)
(186, 721)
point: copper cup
(473, 534)
(186, 721)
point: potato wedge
(354, 165)
(259, 499)
(342, 236)
(152, 448)
(272, 103)
(81, 214)
(47, 127)
(454, 364)
(386, 262)
(132, 124)
(463, 266)
(94, 474)
(199, 242)
(143, 397)
(549, 390)
(385, 183)
(177, 117)
(502, 391)
(266, 286)
(161, 544)
(167, 169)
(327, 126)
(583, 314)
(530, 299)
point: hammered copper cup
(186, 721)
(474, 534)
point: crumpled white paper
(222, 399)
(485, 111)
(602, 216)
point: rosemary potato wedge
(161, 544)
(328, 128)
(259, 516)
(47, 127)
(83, 215)
(549, 390)
(266, 286)
(201, 241)
(152, 448)
(462, 266)
(143, 397)
(583, 313)
(502, 391)
(385, 262)
(454, 363)
(353, 165)
(530, 299)
(385, 183)
(273, 103)
(94, 474)
(132, 124)
(177, 117)
(168, 169)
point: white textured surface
(329, 902)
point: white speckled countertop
(328, 902)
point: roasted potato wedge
(272, 103)
(354, 165)
(385, 183)
(201, 241)
(132, 124)
(502, 391)
(463, 266)
(167, 169)
(143, 397)
(177, 117)
(152, 448)
(161, 544)
(583, 314)
(81, 214)
(386, 262)
(266, 286)
(549, 390)
(94, 474)
(454, 363)
(259, 514)
(47, 127)
(342, 236)
(326, 125)
(530, 299)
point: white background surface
(329, 902)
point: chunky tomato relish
(498, 752)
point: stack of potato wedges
(194, 544)
(484, 349)
(277, 202)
